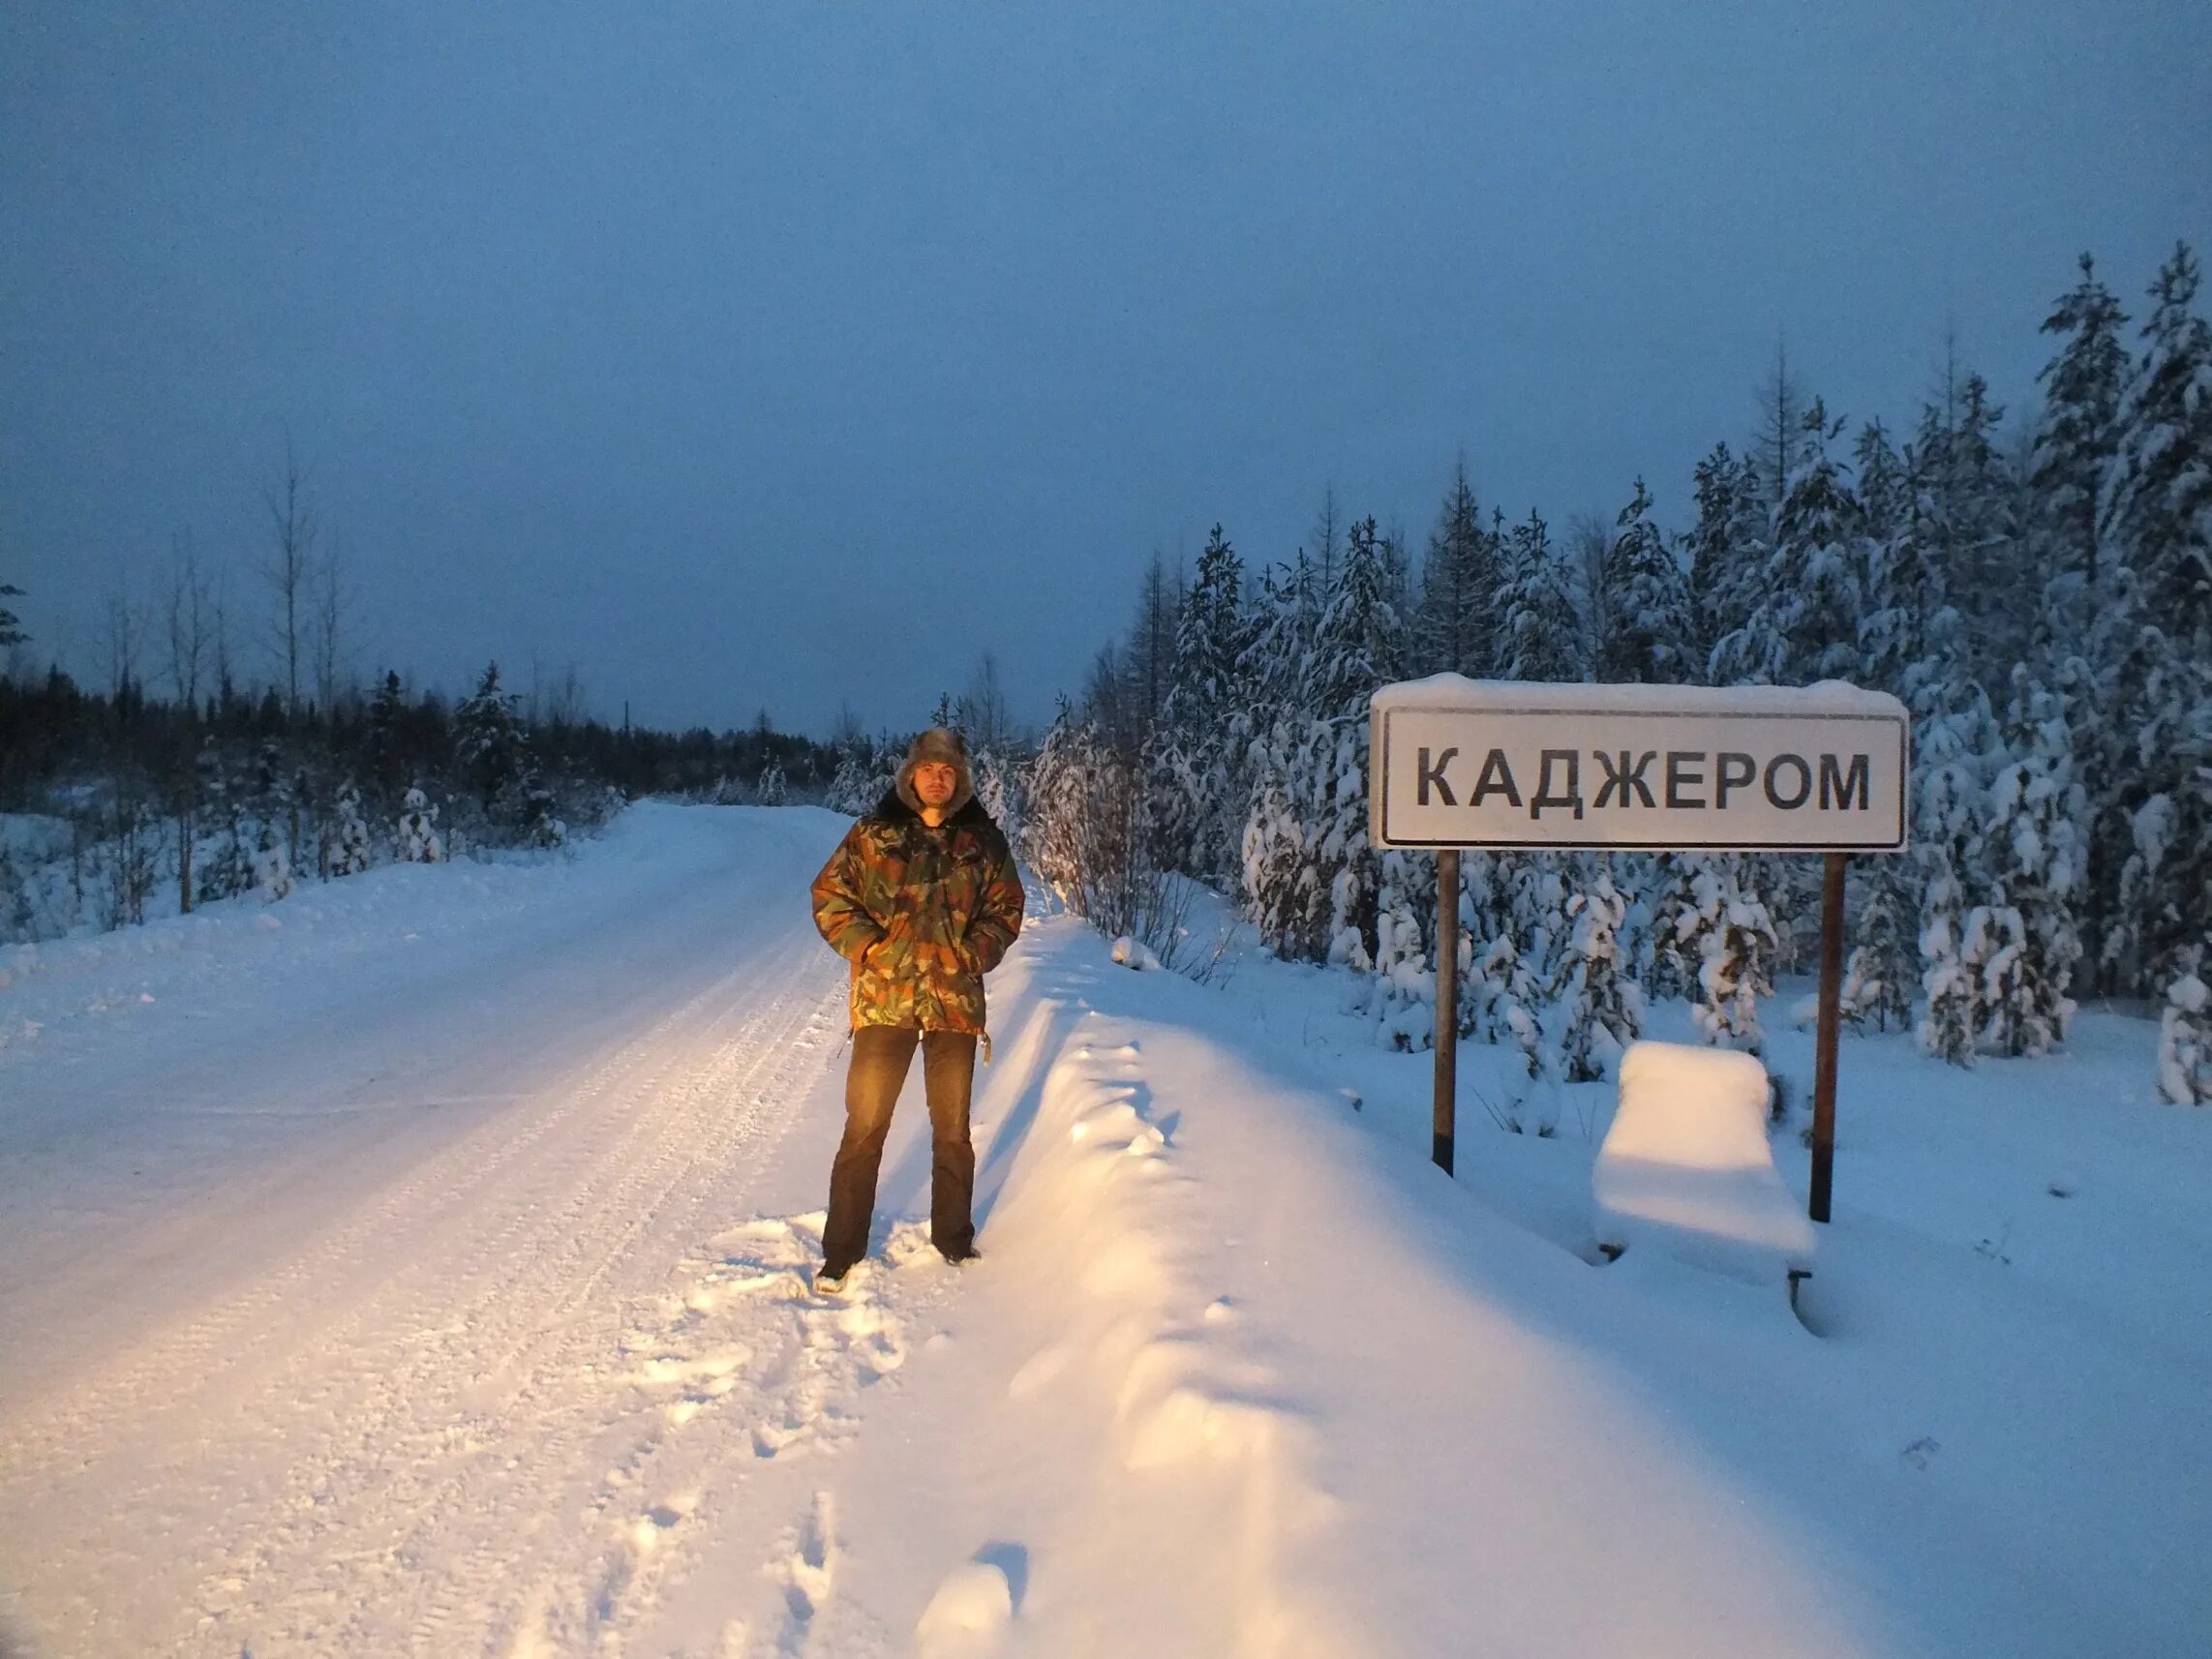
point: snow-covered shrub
(347, 832)
(272, 866)
(2185, 1044)
(418, 842)
(771, 790)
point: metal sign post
(1830, 1018)
(1443, 1113)
(1758, 769)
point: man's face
(934, 782)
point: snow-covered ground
(416, 1267)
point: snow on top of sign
(1686, 1165)
(1455, 691)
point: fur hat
(943, 744)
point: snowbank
(1688, 1168)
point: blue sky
(781, 355)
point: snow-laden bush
(348, 832)
(2185, 1044)
(418, 842)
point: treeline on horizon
(2038, 593)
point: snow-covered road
(418, 1267)
(335, 1285)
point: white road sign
(1465, 763)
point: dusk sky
(785, 356)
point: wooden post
(1443, 1119)
(1824, 1053)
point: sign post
(1443, 1113)
(1460, 763)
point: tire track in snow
(463, 1365)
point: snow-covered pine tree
(1601, 1012)
(772, 789)
(1735, 942)
(2032, 846)
(1456, 630)
(1539, 636)
(1651, 639)
(418, 830)
(1804, 624)
(348, 852)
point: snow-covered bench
(1686, 1169)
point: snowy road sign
(1464, 763)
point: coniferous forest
(2036, 587)
(2036, 590)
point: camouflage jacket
(920, 913)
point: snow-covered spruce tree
(1519, 959)
(1278, 890)
(272, 864)
(1601, 1010)
(1735, 942)
(1883, 488)
(998, 787)
(2155, 647)
(2185, 1040)
(1729, 547)
(1951, 794)
(1541, 638)
(417, 841)
(1650, 640)
(2032, 854)
(1454, 630)
(1992, 576)
(852, 786)
(346, 831)
(226, 868)
(1405, 996)
(1357, 646)
(1193, 764)
(488, 745)
(1885, 963)
(1803, 623)
(2078, 435)
(1675, 953)
(771, 790)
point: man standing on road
(921, 898)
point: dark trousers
(881, 1055)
